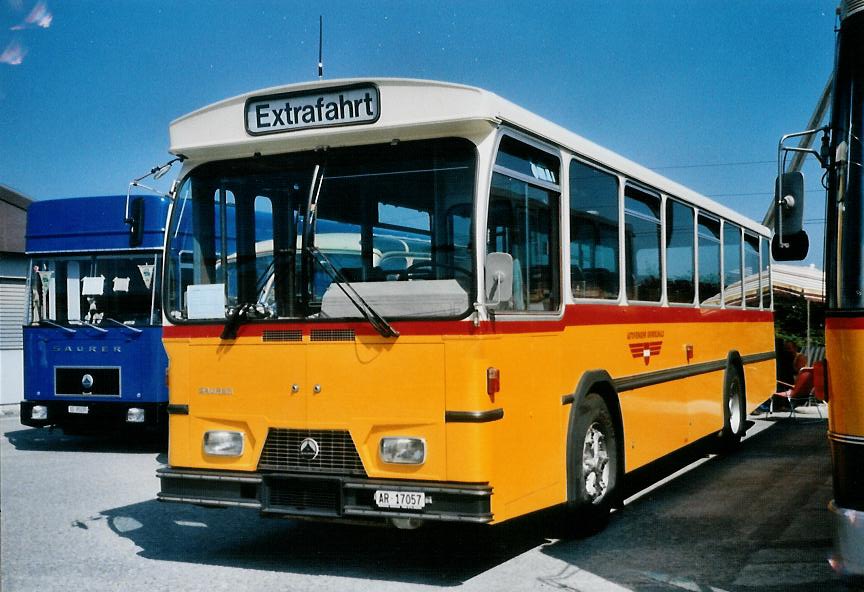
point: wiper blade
(53, 324)
(377, 321)
(133, 329)
(92, 326)
(384, 328)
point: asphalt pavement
(80, 513)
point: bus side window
(709, 261)
(680, 263)
(642, 242)
(733, 288)
(523, 222)
(751, 270)
(593, 233)
(765, 275)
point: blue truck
(93, 354)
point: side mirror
(790, 242)
(136, 221)
(499, 278)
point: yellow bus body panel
(844, 350)
(376, 387)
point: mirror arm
(782, 151)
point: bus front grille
(303, 496)
(329, 452)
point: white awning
(807, 281)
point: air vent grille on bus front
(282, 335)
(332, 334)
(311, 451)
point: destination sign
(312, 109)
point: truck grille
(97, 381)
(336, 453)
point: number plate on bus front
(81, 409)
(402, 500)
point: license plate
(80, 409)
(402, 500)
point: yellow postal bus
(517, 319)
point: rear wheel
(734, 410)
(596, 467)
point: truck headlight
(223, 443)
(403, 451)
(39, 412)
(135, 415)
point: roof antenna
(320, 47)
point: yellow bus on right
(840, 378)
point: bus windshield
(95, 289)
(394, 220)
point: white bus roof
(408, 109)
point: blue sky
(699, 90)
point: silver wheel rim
(595, 464)
(734, 407)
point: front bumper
(848, 559)
(100, 414)
(325, 497)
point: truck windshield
(395, 221)
(95, 289)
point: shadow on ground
(434, 555)
(55, 440)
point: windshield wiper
(92, 326)
(239, 314)
(53, 324)
(124, 325)
(384, 328)
(234, 317)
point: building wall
(13, 303)
(13, 290)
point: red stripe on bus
(843, 323)
(574, 315)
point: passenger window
(523, 221)
(765, 282)
(733, 289)
(709, 261)
(642, 244)
(751, 270)
(593, 232)
(680, 264)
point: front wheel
(595, 468)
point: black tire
(734, 410)
(595, 467)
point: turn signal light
(493, 382)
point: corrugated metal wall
(13, 303)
